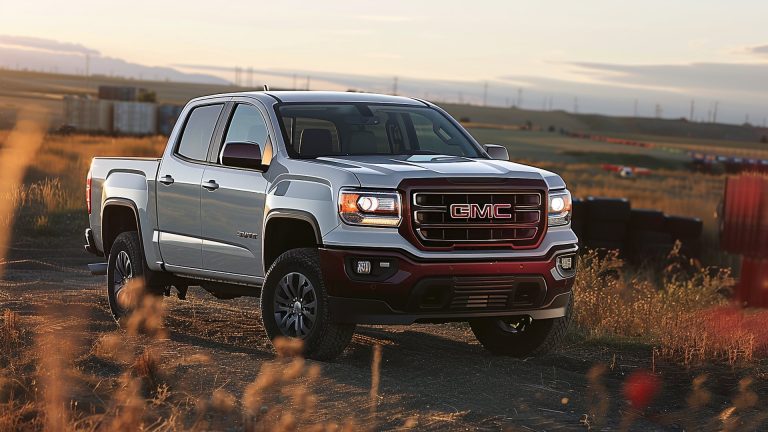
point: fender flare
(122, 202)
(293, 214)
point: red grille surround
(427, 222)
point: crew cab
(338, 209)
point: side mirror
(497, 152)
(242, 155)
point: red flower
(640, 388)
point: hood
(387, 171)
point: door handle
(166, 180)
(211, 185)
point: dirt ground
(435, 376)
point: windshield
(343, 129)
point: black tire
(608, 209)
(647, 246)
(579, 219)
(683, 227)
(126, 246)
(606, 231)
(538, 338)
(579, 211)
(324, 339)
(650, 237)
(646, 220)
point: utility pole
(87, 65)
(693, 105)
(485, 93)
(714, 114)
(576, 105)
(658, 111)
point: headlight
(370, 208)
(559, 208)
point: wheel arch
(118, 215)
(287, 229)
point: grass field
(205, 364)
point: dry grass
(683, 310)
(46, 390)
(17, 152)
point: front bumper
(410, 289)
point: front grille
(459, 219)
(468, 293)
(481, 292)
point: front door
(178, 189)
(233, 200)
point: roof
(330, 97)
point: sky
(591, 55)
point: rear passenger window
(198, 131)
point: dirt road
(434, 377)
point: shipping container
(135, 118)
(118, 93)
(166, 118)
(85, 114)
(126, 94)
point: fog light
(363, 267)
(566, 262)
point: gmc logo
(476, 211)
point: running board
(98, 269)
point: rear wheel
(521, 336)
(125, 275)
(294, 304)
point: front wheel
(294, 304)
(521, 337)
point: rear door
(233, 201)
(178, 188)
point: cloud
(760, 50)
(384, 18)
(745, 78)
(46, 45)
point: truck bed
(129, 178)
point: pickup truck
(337, 209)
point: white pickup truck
(339, 209)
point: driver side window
(248, 125)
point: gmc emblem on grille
(476, 211)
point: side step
(98, 269)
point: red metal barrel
(752, 289)
(744, 231)
(744, 223)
